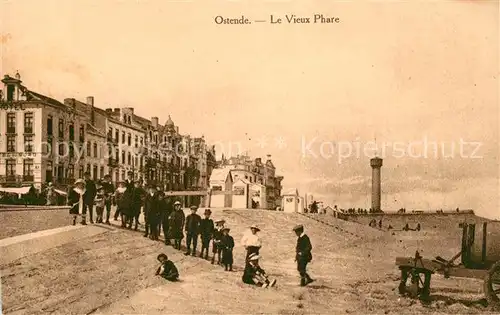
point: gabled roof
(220, 174)
(290, 192)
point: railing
(28, 178)
(28, 130)
(11, 130)
(10, 178)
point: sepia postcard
(249, 157)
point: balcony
(11, 130)
(10, 178)
(28, 178)
(28, 130)
(112, 162)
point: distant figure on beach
(167, 270)
(227, 244)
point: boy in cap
(167, 270)
(227, 244)
(192, 230)
(216, 245)
(90, 192)
(254, 274)
(76, 201)
(152, 211)
(303, 254)
(251, 241)
(206, 231)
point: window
(10, 92)
(61, 128)
(71, 132)
(123, 136)
(136, 141)
(28, 122)
(11, 122)
(95, 150)
(61, 150)
(88, 168)
(10, 167)
(102, 171)
(117, 135)
(71, 171)
(49, 126)
(129, 158)
(28, 143)
(28, 167)
(129, 120)
(123, 175)
(124, 118)
(82, 133)
(217, 188)
(49, 149)
(71, 150)
(142, 142)
(117, 155)
(94, 172)
(89, 149)
(129, 140)
(123, 157)
(80, 172)
(11, 143)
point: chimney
(109, 110)
(376, 164)
(154, 122)
(258, 161)
(90, 100)
(116, 110)
(269, 157)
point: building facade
(255, 171)
(38, 137)
(43, 140)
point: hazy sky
(397, 71)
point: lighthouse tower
(376, 164)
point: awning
(15, 190)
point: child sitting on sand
(167, 269)
(255, 275)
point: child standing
(120, 202)
(206, 231)
(216, 245)
(100, 203)
(227, 244)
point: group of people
(165, 213)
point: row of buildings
(44, 140)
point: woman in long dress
(75, 200)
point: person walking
(90, 192)
(206, 233)
(303, 254)
(251, 241)
(176, 225)
(192, 230)
(76, 201)
(109, 190)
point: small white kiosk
(292, 202)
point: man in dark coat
(138, 197)
(176, 225)
(206, 233)
(109, 190)
(167, 209)
(303, 254)
(192, 230)
(152, 210)
(89, 196)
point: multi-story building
(88, 138)
(255, 171)
(38, 134)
